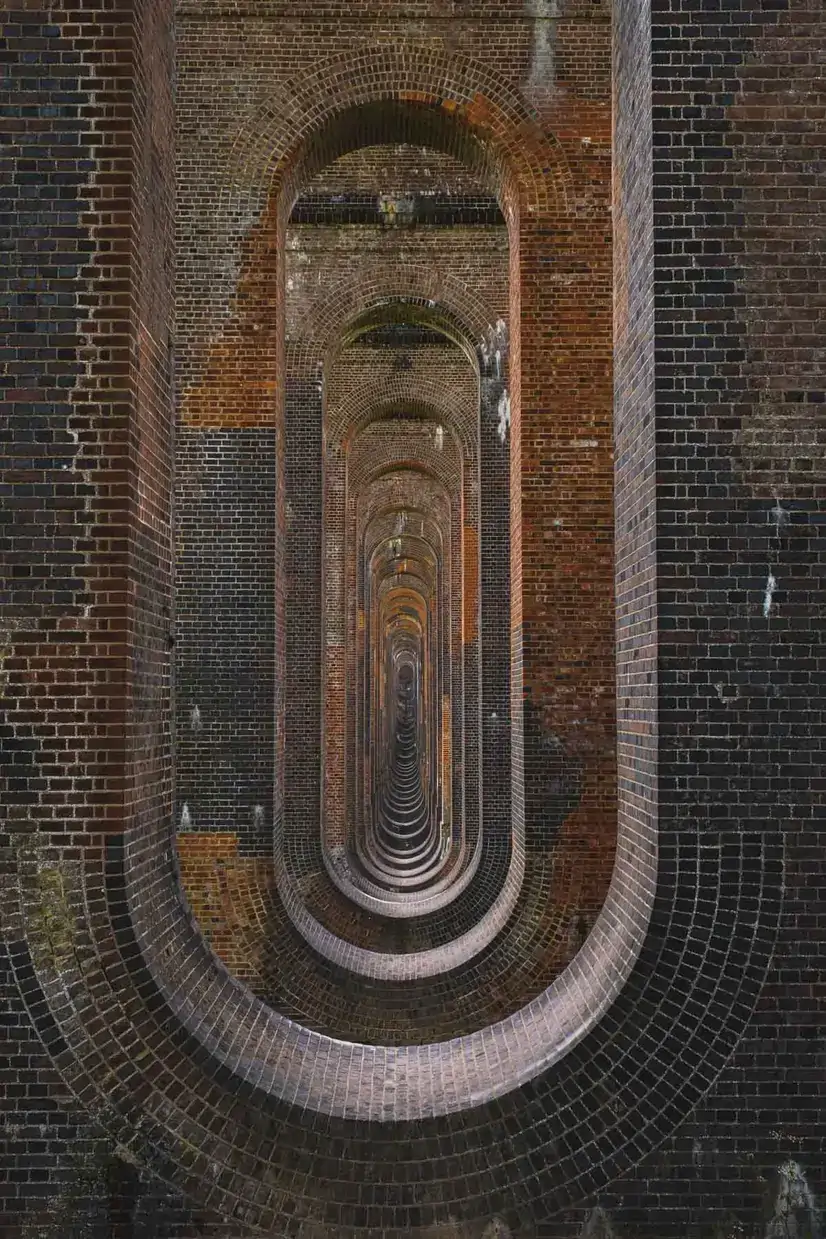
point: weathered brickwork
(414, 209)
(442, 460)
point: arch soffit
(367, 458)
(430, 404)
(379, 529)
(408, 471)
(428, 292)
(271, 140)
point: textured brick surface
(148, 1090)
(431, 189)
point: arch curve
(430, 88)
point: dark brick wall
(224, 618)
(86, 288)
(46, 196)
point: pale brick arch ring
(460, 106)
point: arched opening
(302, 318)
(397, 377)
(379, 423)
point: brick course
(149, 1090)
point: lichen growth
(5, 651)
(795, 1214)
(597, 1225)
(51, 920)
(76, 1207)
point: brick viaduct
(411, 647)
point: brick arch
(241, 384)
(348, 411)
(329, 320)
(467, 324)
(522, 161)
(429, 405)
(423, 288)
(721, 886)
(390, 459)
(382, 399)
(403, 309)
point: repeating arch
(265, 1087)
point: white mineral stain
(796, 1215)
(598, 1226)
(504, 411)
(542, 73)
(497, 1229)
(771, 586)
(494, 344)
(779, 515)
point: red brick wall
(560, 276)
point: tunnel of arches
(426, 835)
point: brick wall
(86, 394)
(141, 1085)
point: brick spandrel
(630, 401)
